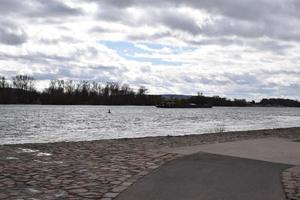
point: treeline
(21, 89)
(279, 102)
(218, 101)
(221, 101)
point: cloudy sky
(234, 48)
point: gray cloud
(55, 8)
(11, 6)
(11, 38)
(38, 58)
(37, 8)
(11, 34)
(207, 79)
(78, 73)
(99, 29)
(244, 18)
(176, 21)
(149, 37)
(242, 79)
(244, 9)
(58, 40)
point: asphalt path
(206, 176)
(278, 150)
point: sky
(237, 49)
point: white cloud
(237, 49)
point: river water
(41, 123)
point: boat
(189, 105)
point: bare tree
(125, 89)
(113, 88)
(60, 86)
(142, 91)
(24, 82)
(69, 87)
(85, 88)
(3, 82)
(95, 88)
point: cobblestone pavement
(291, 182)
(95, 169)
(87, 170)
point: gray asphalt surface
(277, 150)
(205, 176)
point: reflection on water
(27, 123)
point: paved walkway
(228, 171)
(206, 176)
(279, 150)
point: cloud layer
(245, 48)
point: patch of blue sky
(154, 61)
(123, 47)
(153, 45)
(128, 50)
(174, 49)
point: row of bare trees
(86, 88)
(21, 89)
(87, 92)
(21, 82)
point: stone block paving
(291, 183)
(84, 170)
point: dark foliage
(211, 101)
(279, 102)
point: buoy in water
(108, 111)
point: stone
(91, 195)
(111, 195)
(9, 182)
(127, 183)
(60, 194)
(33, 191)
(78, 191)
(3, 196)
(291, 183)
(119, 188)
(115, 182)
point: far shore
(246, 106)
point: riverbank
(97, 169)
